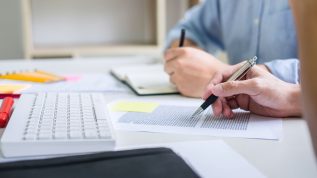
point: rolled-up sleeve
(198, 23)
(287, 70)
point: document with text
(176, 118)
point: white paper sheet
(176, 118)
(85, 83)
(211, 159)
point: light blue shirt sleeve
(243, 29)
(287, 70)
(197, 22)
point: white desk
(290, 157)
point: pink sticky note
(72, 78)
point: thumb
(231, 88)
(170, 54)
(173, 53)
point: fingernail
(210, 86)
(231, 115)
(206, 95)
(217, 89)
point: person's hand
(191, 69)
(259, 92)
(187, 43)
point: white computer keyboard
(58, 123)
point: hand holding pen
(259, 92)
(241, 72)
(190, 69)
(236, 76)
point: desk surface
(292, 156)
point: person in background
(241, 28)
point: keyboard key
(102, 123)
(29, 136)
(75, 123)
(61, 129)
(104, 134)
(91, 126)
(75, 129)
(76, 134)
(60, 135)
(91, 134)
(45, 136)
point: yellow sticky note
(12, 88)
(124, 106)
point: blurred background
(78, 28)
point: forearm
(294, 100)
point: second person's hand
(191, 69)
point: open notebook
(145, 79)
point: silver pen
(235, 76)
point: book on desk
(146, 79)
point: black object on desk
(141, 163)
